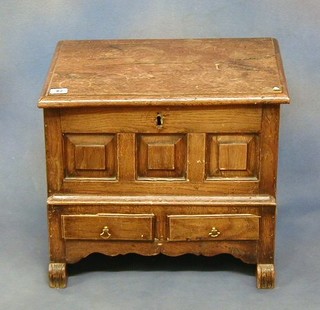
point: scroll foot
(265, 276)
(57, 275)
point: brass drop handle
(105, 233)
(214, 233)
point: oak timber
(163, 146)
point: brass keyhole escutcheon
(214, 233)
(159, 120)
(105, 233)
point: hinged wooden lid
(165, 72)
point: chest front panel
(190, 150)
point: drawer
(217, 119)
(213, 227)
(135, 227)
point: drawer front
(135, 227)
(213, 227)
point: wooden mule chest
(163, 146)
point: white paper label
(58, 91)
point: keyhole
(159, 120)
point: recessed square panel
(232, 156)
(90, 155)
(161, 156)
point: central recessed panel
(161, 156)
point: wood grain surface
(152, 72)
